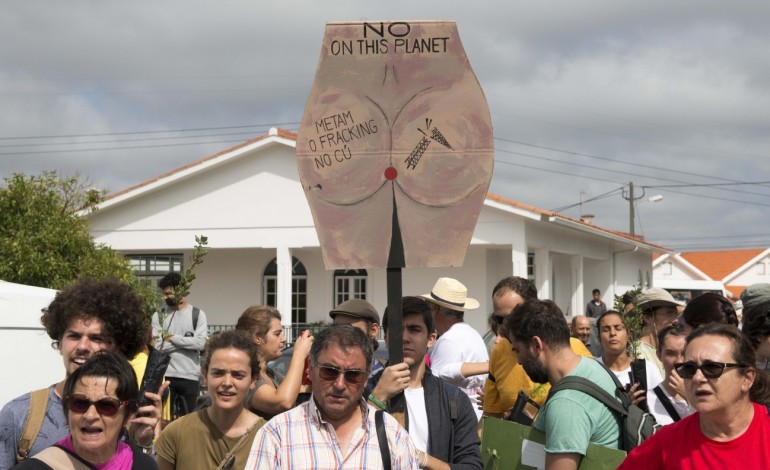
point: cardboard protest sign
(396, 133)
(509, 445)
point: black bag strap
(382, 438)
(195, 314)
(664, 400)
(580, 384)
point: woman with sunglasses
(731, 426)
(274, 394)
(219, 436)
(100, 398)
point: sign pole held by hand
(397, 404)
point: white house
(264, 250)
(728, 272)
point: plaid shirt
(301, 439)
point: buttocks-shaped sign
(396, 121)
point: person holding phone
(274, 394)
(614, 338)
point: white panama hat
(452, 294)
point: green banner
(506, 445)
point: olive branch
(183, 289)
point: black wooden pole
(395, 336)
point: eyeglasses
(710, 369)
(352, 376)
(104, 406)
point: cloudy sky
(585, 97)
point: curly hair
(171, 279)
(108, 300)
(235, 339)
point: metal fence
(290, 331)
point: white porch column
(543, 273)
(576, 266)
(519, 258)
(283, 287)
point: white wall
(758, 272)
(29, 361)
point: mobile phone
(157, 363)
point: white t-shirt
(653, 375)
(461, 343)
(659, 411)
(418, 418)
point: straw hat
(452, 294)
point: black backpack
(636, 425)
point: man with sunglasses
(506, 376)
(85, 318)
(335, 428)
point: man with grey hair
(581, 329)
(335, 428)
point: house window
(298, 288)
(151, 268)
(666, 268)
(761, 269)
(531, 266)
(349, 284)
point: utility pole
(631, 214)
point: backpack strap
(663, 399)
(195, 314)
(382, 438)
(38, 402)
(61, 459)
(580, 384)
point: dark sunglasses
(352, 376)
(710, 369)
(498, 319)
(104, 406)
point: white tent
(29, 362)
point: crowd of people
(700, 370)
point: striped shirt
(301, 439)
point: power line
(195, 129)
(632, 164)
(593, 177)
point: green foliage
(183, 289)
(633, 320)
(45, 242)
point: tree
(45, 242)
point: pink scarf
(122, 460)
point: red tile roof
(548, 213)
(736, 291)
(719, 264)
